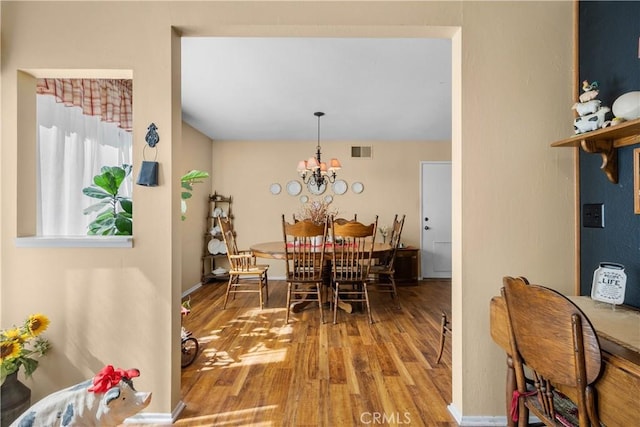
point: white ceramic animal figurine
(590, 91)
(589, 107)
(590, 122)
(106, 400)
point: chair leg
(591, 406)
(226, 295)
(319, 292)
(288, 302)
(266, 285)
(366, 298)
(444, 326)
(335, 302)
(395, 290)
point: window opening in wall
(83, 125)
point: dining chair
(350, 262)
(555, 341)
(245, 275)
(382, 274)
(304, 243)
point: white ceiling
(237, 88)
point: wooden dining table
(276, 250)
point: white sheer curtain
(72, 148)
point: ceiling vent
(361, 152)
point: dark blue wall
(609, 33)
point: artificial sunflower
(14, 334)
(9, 350)
(37, 323)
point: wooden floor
(254, 370)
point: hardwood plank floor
(255, 370)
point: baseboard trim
(157, 418)
(476, 421)
(192, 289)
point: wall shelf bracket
(609, 154)
(606, 142)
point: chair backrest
(343, 221)
(304, 243)
(394, 241)
(352, 249)
(551, 334)
(229, 237)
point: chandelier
(314, 171)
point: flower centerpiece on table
(384, 231)
(21, 345)
(317, 211)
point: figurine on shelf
(591, 113)
(590, 91)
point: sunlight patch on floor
(244, 417)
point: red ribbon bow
(514, 402)
(109, 377)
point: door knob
(426, 219)
(426, 227)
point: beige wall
(513, 195)
(196, 154)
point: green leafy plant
(187, 180)
(115, 212)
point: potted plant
(20, 346)
(186, 181)
(115, 212)
(316, 210)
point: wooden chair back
(304, 249)
(237, 261)
(554, 338)
(352, 249)
(343, 221)
(396, 234)
(226, 229)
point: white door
(435, 253)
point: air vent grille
(361, 151)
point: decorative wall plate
(214, 246)
(314, 189)
(304, 199)
(357, 187)
(339, 187)
(328, 198)
(294, 188)
(275, 188)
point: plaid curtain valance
(110, 99)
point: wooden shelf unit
(606, 143)
(209, 260)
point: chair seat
(566, 409)
(381, 269)
(254, 269)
